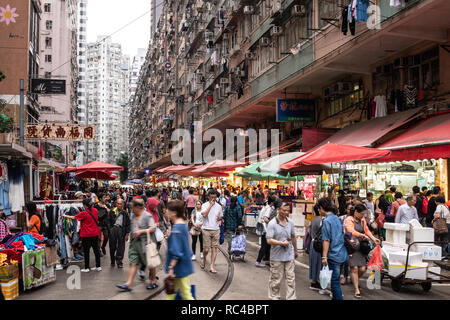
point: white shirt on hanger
(381, 108)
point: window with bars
(48, 42)
(48, 58)
(49, 24)
(47, 7)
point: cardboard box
(416, 272)
(10, 289)
(300, 231)
(422, 235)
(435, 270)
(415, 258)
(299, 220)
(429, 251)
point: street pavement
(248, 282)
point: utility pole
(22, 113)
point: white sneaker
(59, 267)
(322, 291)
(93, 269)
(201, 255)
(84, 270)
(193, 257)
(99, 269)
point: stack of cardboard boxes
(398, 237)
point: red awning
(99, 175)
(99, 166)
(219, 165)
(420, 153)
(432, 131)
(366, 133)
(175, 168)
(332, 153)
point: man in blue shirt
(334, 253)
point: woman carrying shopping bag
(179, 254)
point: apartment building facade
(226, 63)
(82, 70)
(58, 43)
(107, 90)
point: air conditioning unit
(276, 30)
(264, 41)
(249, 9)
(223, 81)
(298, 10)
(249, 56)
(209, 35)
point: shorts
(136, 255)
(211, 238)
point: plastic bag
(325, 277)
(376, 261)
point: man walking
(334, 253)
(407, 212)
(212, 213)
(141, 224)
(103, 212)
(432, 206)
(119, 225)
(283, 252)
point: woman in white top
(264, 218)
(442, 211)
(196, 230)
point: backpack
(317, 241)
(389, 217)
(425, 205)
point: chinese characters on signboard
(59, 132)
(295, 110)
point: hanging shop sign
(296, 110)
(59, 132)
(48, 86)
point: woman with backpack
(34, 221)
(357, 226)
(89, 233)
(315, 258)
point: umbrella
(99, 166)
(331, 152)
(272, 165)
(99, 175)
(70, 169)
(175, 168)
(219, 165)
(252, 172)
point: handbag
(169, 285)
(153, 258)
(440, 226)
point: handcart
(238, 245)
(400, 280)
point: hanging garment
(346, 22)
(225, 64)
(381, 108)
(240, 91)
(3, 171)
(410, 94)
(397, 3)
(360, 10)
(4, 197)
(214, 58)
(371, 108)
(16, 191)
(210, 99)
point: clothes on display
(397, 3)
(4, 189)
(16, 190)
(357, 11)
(381, 107)
(46, 186)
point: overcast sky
(107, 16)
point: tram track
(220, 292)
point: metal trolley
(400, 280)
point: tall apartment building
(82, 70)
(107, 88)
(155, 11)
(138, 61)
(58, 43)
